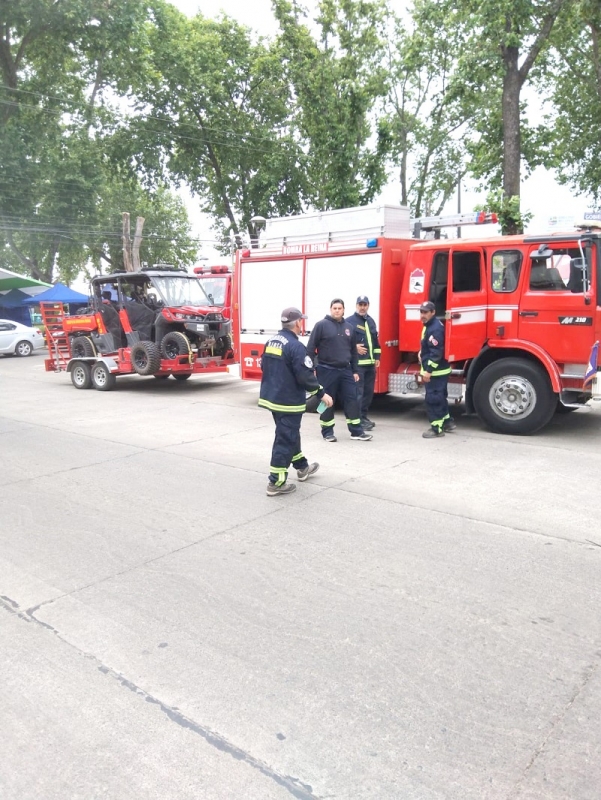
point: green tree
(339, 84)
(576, 96)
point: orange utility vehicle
(156, 322)
(522, 313)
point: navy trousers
(286, 447)
(365, 389)
(339, 384)
(437, 405)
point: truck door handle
(528, 313)
(455, 315)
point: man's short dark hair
(337, 300)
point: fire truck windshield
(177, 290)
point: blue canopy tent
(12, 306)
(60, 293)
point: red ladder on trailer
(57, 340)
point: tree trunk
(512, 137)
(126, 244)
(135, 251)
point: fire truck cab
(522, 313)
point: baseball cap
(363, 299)
(427, 305)
(292, 314)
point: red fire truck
(521, 313)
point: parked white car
(19, 340)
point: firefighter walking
(333, 341)
(288, 376)
(368, 349)
(435, 371)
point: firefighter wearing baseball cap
(288, 376)
(435, 371)
(368, 349)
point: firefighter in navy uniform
(435, 371)
(368, 349)
(288, 376)
(333, 341)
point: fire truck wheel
(145, 358)
(174, 344)
(181, 376)
(102, 378)
(80, 375)
(82, 347)
(513, 395)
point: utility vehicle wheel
(181, 376)
(174, 344)
(24, 348)
(514, 395)
(145, 358)
(82, 347)
(224, 345)
(102, 378)
(80, 375)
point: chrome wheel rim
(512, 397)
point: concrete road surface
(420, 621)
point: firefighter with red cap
(435, 371)
(288, 377)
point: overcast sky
(553, 205)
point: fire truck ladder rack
(428, 224)
(59, 347)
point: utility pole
(127, 263)
(135, 251)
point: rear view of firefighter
(288, 376)
(435, 371)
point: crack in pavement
(589, 671)
(294, 786)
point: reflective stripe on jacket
(432, 349)
(366, 334)
(288, 375)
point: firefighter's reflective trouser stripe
(437, 406)
(286, 447)
(339, 383)
(365, 388)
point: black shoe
(303, 474)
(433, 433)
(331, 438)
(367, 425)
(361, 437)
(449, 425)
(285, 488)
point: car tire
(23, 348)
(82, 347)
(515, 396)
(80, 375)
(181, 376)
(175, 344)
(145, 358)
(102, 378)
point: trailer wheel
(514, 395)
(174, 344)
(102, 378)
(80, 375)
(82, 347)
(181, 376)
(145, 358)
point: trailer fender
(110, 363)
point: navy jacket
(288, 375)
(432, 348)
(366, 334)
(334, 343)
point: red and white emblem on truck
(417, 281)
